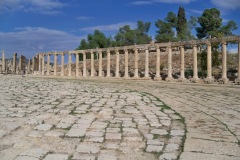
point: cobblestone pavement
(63, 119)
(97, 119)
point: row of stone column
(208, 79)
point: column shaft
(195, 65)
(14, 62)
(136, 63)
(20, 63)
(224, 78)
(169, 77)
(77, 64)
(70, 64)
(84, 65)
(92, 64)
(238, 78)
(43, 63)
(33, 64)
(108, 63)
(39, 62)
(126, 64)
(182, 67)
(3, 62)
(48, 64)
(55, 64)
(29, 66)
(62, 64)
(100, 64)
(209, 78)
(157, 76)
(117, 64)
(146, 64)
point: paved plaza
(108, 119)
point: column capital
(223, 43)
(108, 50)
(208, 43)
(116, 50)
(181, 46)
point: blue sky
(31, 26)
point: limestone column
(100, 63)
(14, 62)
(92, 64)
(108, 63)
(33, 64)
(77, 64)
(69, 64)
(84, 65)
(182, 67)
(20, 64)
(126, 64)
(238, 78)
(169, 77)
(209, 78)
(48, 64)
(43, 63)
(62, 64)
(29, 66)
(146, 64)
(55, 64)
(39, 62)
(3, 61)
(117, 64)
(195, 65)
(224, 78)
(136, 63)
(157, 76)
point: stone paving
(56, 119)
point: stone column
(136, 63)
(238, 78)
(48, 64)
(117, 64)
(55, 64)
(69, 64)
(14, 62)
(182, 67)
(62, 64)
(33, 64)
(157, 76)
(209, 78)
(100, 64)
(169, 77)
(92, 64)
(39, 63)
(77, 64)
(126, 64)
(195, 65)
(43, 63)
(224, 78)
(84, 65)
(146, 75)
(29, 66)
(20, 64)
(108, 63)
(3, 62)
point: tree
(165, 32)
(211, 26)
(181, 24)
(128, 36)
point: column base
(157, 79)
(169, 79)
(223, 80)
(237, 81)
(146, 78)
(126, 77)
(195, 80)
(181, 79)
(136, 77)
(209, 80)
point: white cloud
(84, 18)
(196, 11)
(227, 4)
(49, 7)
(111, 27)
(141, 2)
(174, 1)
(29, 41)
(233, 50)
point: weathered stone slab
(43, 127)
(88, 148)
(35, 152)
(154, 148)
(56, 157)
(76, 132)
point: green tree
(165, 32)
(182, 24)
(128, 36)
(211, 26)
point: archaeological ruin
(129, 62)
